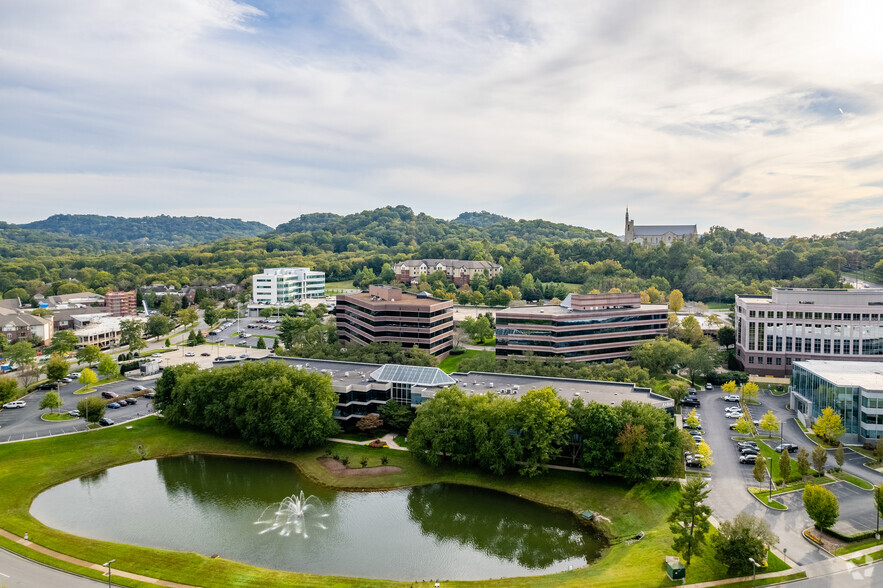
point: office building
(287, 285)
(384, 313)
(854, 389)
(121, 303)
(794, 324)
(585, 327)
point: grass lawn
(763, 494)
(342, 285)
(841, 475)
(719, 305)
(857, 546)
(51, 461)
(877, 555)
(451, 363)
(57, 417)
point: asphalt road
(25, 423)
(870, 576)
(18, 572)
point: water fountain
(290, 515)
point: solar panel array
(411, 374)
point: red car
(107, 394)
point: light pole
(756, 565)
(107, 565)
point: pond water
(228, 506)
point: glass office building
(853, 389)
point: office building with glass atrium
(854, 389)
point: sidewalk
(86, 564)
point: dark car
(690, 402)
(46, 386)
(105, 422)
(749, 451)
(694, 461)
(107, 394)
(785, 446)
(743, 444)
(205, 354)
(132, 400)
(114, 405)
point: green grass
(718, 305)
(841, 475)
(400, 440)
(451, 363)
(492, 342)
(51, 461)
(767, 581)
(342, 285)
(865, 559)
(764, 496)
(57, 417)
(858, 546)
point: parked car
(107, 394)
(750, 458)
(230, 357)
(731, 398)
(732, 414)
(114, 405)
(790, 447)
(690, 402)
(46, 386)
(693, 461)
(15, 404)
(693, 432)
(205, 354)
(243, 356)
(708, 386)
(150, 395)
(747, 443)
(66, 380)
(138, 388)
(189, 354)
(105, 422)
(74, 413)
(749, 451)
(132, 401)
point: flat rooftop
(864, 374)
(345, 374)
(407, 299)
(564, 311)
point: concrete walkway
(86, 564)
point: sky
(762, 115)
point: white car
(708, 386)
(74, 375)
(733, 415)
(732, 398)
(15, 404)
(189, 354)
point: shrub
(335, 456)
(345, 460)
(364, 461)
(384, 460)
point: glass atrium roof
(411, 374)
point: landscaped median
(51, 461)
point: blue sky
(759, 115)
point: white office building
(284, 285)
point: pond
(231, 506)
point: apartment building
(457, 271)
(286, 285)
(384, 313)
(121, 303)
(794, 324)
(585, 327)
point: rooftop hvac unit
(346, 374)
(490, 384)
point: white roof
(863, 374)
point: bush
(722, 378)
(384, 460)
(345, 460)
(851, 538)
(335, 456)
(457, 351)
(92, 408)
(364, 461)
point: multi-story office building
(457, 271)
(121, 303)
(284, 285)
(854, 389)
(585, 327)
(384, 313)
(794, 324)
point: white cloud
(707, 113)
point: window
(769, 361)
(787, 361)
(778, 361)
(750, 359)
(779, 314)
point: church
(656, 234)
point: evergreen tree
(689, 520)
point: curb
(813, 543)
(757, 498)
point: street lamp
(756, 565)
(107, 565)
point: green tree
(689, 520)
(63, 342)
(187, 316)
(107, 367)
(130, 334)
(803, 461)
(261, 344)
(726, 336)
(632, 442)
(769, 423)
(92, 408)
(167, 306)
(740, 539)
(743, 425)
(395, 415)
(819, 459)
(200, 338)
(479, 329)
(828, 425)
(90, 354)
(878, 499)
(210, 315)
(838, 455)
(878, 450)
(20, 354)
(692, 331)
(692, 420)
(87, 377)
(675, 301)
(821, 506)
(51, 401)
(702, 360)
(760, 469)
(661, 355)
(785, 465)
(545, 428)
(441, 429)
(750, 391)
(596, 428)
(8, 388)
(56, 368)
(677, 390)
(191, 338)
(158, 325)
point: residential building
(384, 313)
(65, 319)
(121, 303)
(285, 285)
(75, 300)
(854, 389)
(794, 324)
(585, 327)
(99, 329)
(20, 325)
(362, 388)
(457, 271)
(656, 234)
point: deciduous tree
(63, 341)
(20, 354)
(740, 539)
(187, 316)
(130, 334)
(8, 388)
(107, 367)
(369, 422)
(750, 391)
(396, 415)
(769, 423)
(760, 469)
(838, 455)
(675, 300)
(704, 451)
(689, 520)
(743, 425)
(90, 354)
(56, 368)
(158, 325)
(803, 462)
(92, 408)
(87, 377)
(819, 459)
(821, 506)
(692, 420)
(785, 465)
(828, 425)
(51, 401)
(730, 387)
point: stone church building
(656, 234)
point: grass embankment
(451, 363)
(57, 417)
(863, 484)
(858, 546)
(342, 285)
(866, 559)
(52, 461)
(763, 494)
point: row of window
(564, 322)
(504, 332)
(368, 323)
(343, 305)
(566, 344)
(769, 360)
(623, 351)
(826, 316)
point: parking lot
(246, 332)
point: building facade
(121, 303)
(457, 271)
(656, 234)
(854, 389)
(388, 314)
(286, 285)
(794, 324)
(585, 327)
